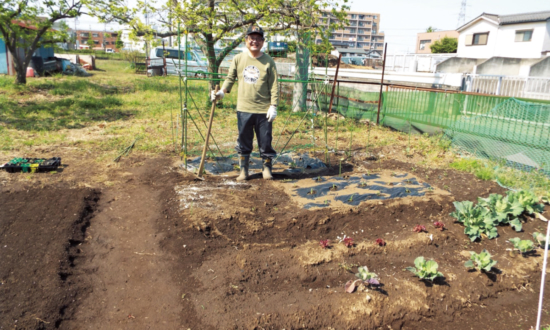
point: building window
(84, 34)
(374, 17)
(353, 16)
(361, 16)
(524, 35)
(324, 14)
(361, 31)
(95, 35)
(477, 39)
(351, 30)
(373, 31)
(96, 42)
(423, 44)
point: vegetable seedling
(425, 269)
(362, 184)
(481, 261)
(540, 239)
(419, 228)
(439, 225)
(319, 179)
(311, 192)
(380, 242)
(350, 199)
(348, 242)
(524, 246)
(367, 277)
(407, 190)
(325, 243)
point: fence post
(381, 84)
(499, 84)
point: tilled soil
(41, 236)
(165, 251)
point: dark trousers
(248, 123)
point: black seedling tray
(26, 165)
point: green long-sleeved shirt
(257, 82)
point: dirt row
(162, 250)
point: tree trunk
(299, 97)
(20, 70)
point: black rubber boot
(266, 171)
(243, 164)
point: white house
(519, 36)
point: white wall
(478, 51)
(508, 47)
(501, 41)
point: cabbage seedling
(425, 269)
(540, 239)
(325, 243)
(367, 277)
(480, 261)
(523, 246)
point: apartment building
(102, 39)
(425, 39)
(362, 31)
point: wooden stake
(207, 138)
(381, 84)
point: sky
(401, 20)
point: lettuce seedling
(325, 243)
(348, 242)
(425, 269)
(367, 277)
(419, 228)
(540, 239)
(524, 246)
(480, 261)
(380, 242)
(439, 225)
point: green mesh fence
(507, 130)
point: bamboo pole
(203, 158)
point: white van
(172, 59)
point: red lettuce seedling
(380, 242)
(439, 225)
(348, 241)
(419, 228)
(325, 243)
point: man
(256, 101)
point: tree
(90, 42)
(119, 44)
(445, 45)
(25, 25)
(210, 21)
(431, 29)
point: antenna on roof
(462, 14)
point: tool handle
(203, 158)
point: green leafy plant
(524, 200)
(366, 276)
(476, 220)
(540, 239)
(524, 246)
(425, 269)
(500, 210)
(481, 261)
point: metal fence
(522, 87)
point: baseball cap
(255, 29)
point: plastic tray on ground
(31, 165)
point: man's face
(254, 42)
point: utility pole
(462, 14)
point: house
(523, 36)
(425, 39)
(41, 59)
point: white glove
(271, 113)
(216, 96)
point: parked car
(109, 50)
(172, 60)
